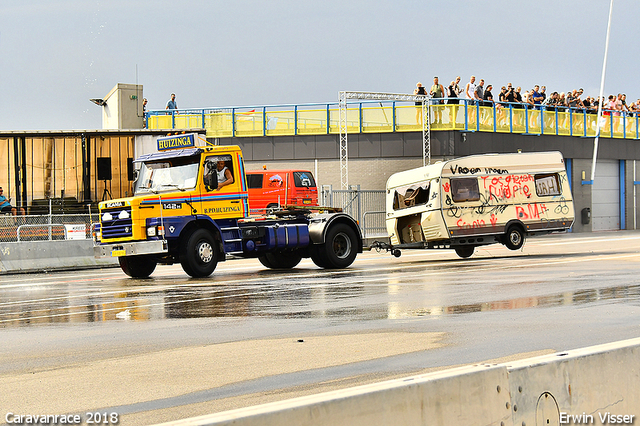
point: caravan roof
(482, 164)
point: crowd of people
(536, 98)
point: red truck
(273, 188)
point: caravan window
(465, 189)
(411, 195)
(547, 185)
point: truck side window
(222, 167)
(411, 195)
(303, 179)
(254, 181)
(465, 189)
(547, 184)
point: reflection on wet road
(550, 272)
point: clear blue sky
(55, 55)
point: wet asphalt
(240, 334)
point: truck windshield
(166, 176)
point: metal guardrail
(374, 227)
(41, 227)
(359, 204)
(49, 226)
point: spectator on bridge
(588, 105)
(623, 102)
(549, 108)
(618, 112)
(537, 97)
(144, 113)
(609, 109)
(501, 106)
(579, 101)
(419, 90)
(529, 104)
(470, 90)
(453, 93)
(172, 104)
(551, 101)
(518, 118)
(561, 103)
(519, 97)
(479, 96)
(527, 98)
(6, 207)
(488, 102)
(437, 92)
(543, 93)
(488, 96)
(469, 93)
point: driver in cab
(224, 174)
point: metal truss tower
(343, 97)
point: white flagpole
(604, 69)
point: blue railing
(381, 117)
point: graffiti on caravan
(506, 187)
(455, 169)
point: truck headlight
(155, 231)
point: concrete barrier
(38, 256)
(599, 381)
(594, 381)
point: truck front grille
(116, 223)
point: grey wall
(374, 157)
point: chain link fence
(365, 206)
(46, 227)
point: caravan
(478, 200)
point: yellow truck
(478, 200)
(190, 206)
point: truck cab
(191, 206)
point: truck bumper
(130, 249)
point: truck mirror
(210, 176)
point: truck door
(223, 192)
(274, 185)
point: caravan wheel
(514, 238)
(465, 251)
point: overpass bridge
(392, 117)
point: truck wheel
(199, 254)
(280, 260)
(514, 238)
(339, 249)
(317, 255)
(137, 266)
(465, 251)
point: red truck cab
(273, 188)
